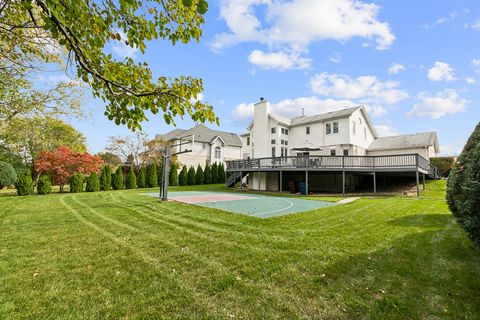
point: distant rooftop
(202, 134)
(405, 141)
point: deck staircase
(234, 176)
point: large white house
(210, 145)
(344, 132)
(327, 152)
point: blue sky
(414, 64)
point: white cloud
(451, 150)
(122, 49)
(476, 65)
(385, 130)
(278, 60)
(441, 104)
(292, 26)
(451, 16)
(367, 89)
(396, 68)
(336, 57)
(441, 71)
(293, 107)
(474, 25)
(470, 80)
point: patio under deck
(401, 163)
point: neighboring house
(278, 150)
(210, 145)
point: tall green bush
(199, 176)
(24, 184)
(207, 174)
(8, 176)
(76, 183)
(191, 176)
(117, 179)
(173, 175)
(463, 187)
(214, 173)
(131, 180)
(105, 178)
(142, 178)
(152, 176)
(183, 176)
(93, 183)
(44, 184)
(221, 173)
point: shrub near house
(8, 176)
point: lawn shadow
(433, 274)
(424, 220)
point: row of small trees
(213, 174)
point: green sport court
(260, 206)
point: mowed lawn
(119, 254)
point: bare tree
(134, 145)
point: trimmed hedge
(221, 173)
(214, 173)
(191, 176)
(173, 175)
(44, 184)
(24, 184)
(444, 165)
(207, 175)
(131, 180)
(152, 176)
(463, 187)
(142, 178)
(76, 183)
(117, 179)
(8, 176)
(183, 177)
(93, 183)
(199, 175)
(106, 178)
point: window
(273, 151)
(365, 132)
(345, 152)
(204, 145)
(335, 127)
(307, 129)
(281, 152)
(286, 142)
(286, 152)
(354, 126)
(328, 128)
(273, 141)
(218, 152)
(285, 131)
(248, 141)
(274, 130)
(333, 152)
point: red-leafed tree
(62, 163)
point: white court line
(275, 211)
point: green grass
(122, 255)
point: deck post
(423, 178)
(306, 182)
(418, 183)
(343, 183)
(241, 178)
(281, 185)
(374, 182)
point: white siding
(358, 138)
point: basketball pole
(166, 163)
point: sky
(415, 65)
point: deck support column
(280, 173)
(343, 183)
(418, 183)
(306, 182)
(423, 178)
(374, 182)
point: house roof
(405, 141)
(203, 134)
(324, 116)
